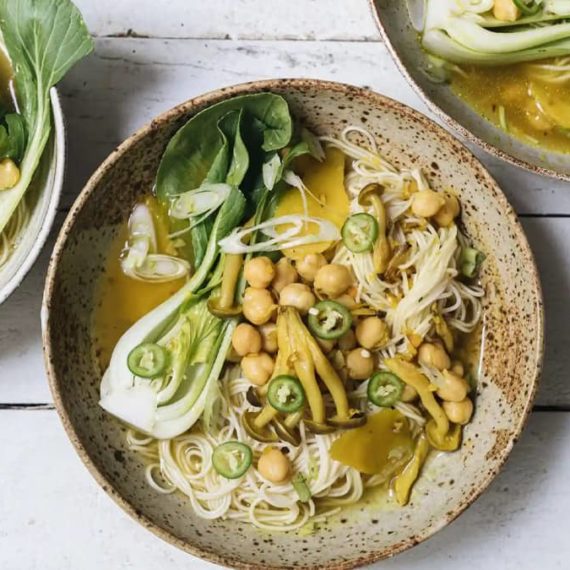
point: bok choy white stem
(467, 32)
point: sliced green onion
(147, 360)
(359, 232)
(286, 394)
(290, 234)
(385, 389)
(155, 268)
(300, 485)
(470, 261)
(329, 320)
(232, 459)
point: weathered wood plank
(51, 506)
(128, 82)
(21, 363)
(245, 19)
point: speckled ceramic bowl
(511, 360)
(395, 23)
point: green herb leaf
(300, 485)
(44, 39)
(13, 137)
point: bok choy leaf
(43, 39)
(225, 143)
(222, 148)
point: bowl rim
(55, 190)
(210, 98)
(450, 121)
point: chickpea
(372, 332)
(326, 344)
(454, 388)
(506, 11)
(427, 203)
(459, 412)
(309, 265)
(457, 368)
(409, 394)
(259, 272)
(346, 300)
(268, 334)
(9, 174)
(347, 341)
(434, 356)
(360, 364)
(448, 212)
(285, 274)
(258, 306)
(257, 368)
(246, 339)
(274, 466)
(333, 280)
(297, 295)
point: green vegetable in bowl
(286, 394)
(469, 32)
(359, 232)
(225, 145)
(232, 459)
(384, 389)
(329, 320)
(43, 39)
(147, 360)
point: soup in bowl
(285, 314)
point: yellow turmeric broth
(535, 111)
(380, 446)
(122, 300)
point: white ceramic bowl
(44, 209)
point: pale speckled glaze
(402, 40)
(511, 363)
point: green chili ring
(384, 389)
(329, 320)
(530, 9)
(359, 232)
(232, 459)
(147, 360)
(286, 394)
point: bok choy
(220, 152)
(469, 31)
(43, 40)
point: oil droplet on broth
(122, 301)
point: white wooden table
(151, 55)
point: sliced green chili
(329, 320)
(232, 459)
(529, 8)
(359, 232)
(147, 360)
(385, 389)
(470, 261)
(286, 394)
